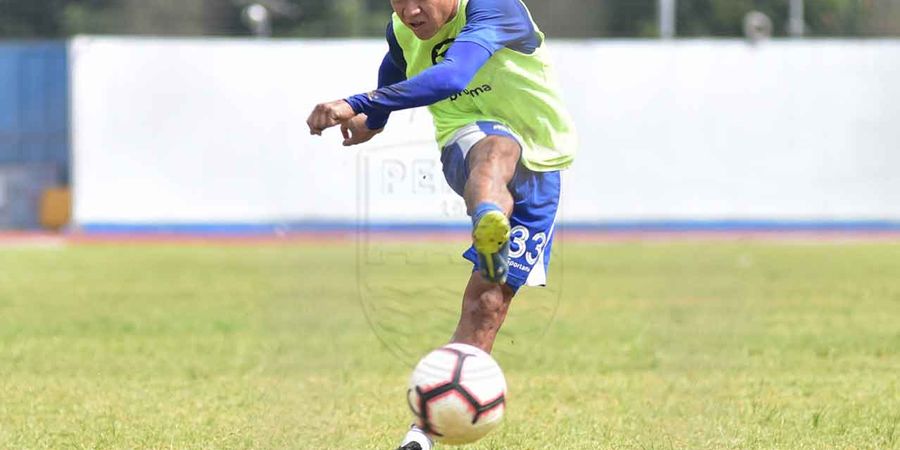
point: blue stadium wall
(34, 127)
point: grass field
(638, 345)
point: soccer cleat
(416, 439)
(411, 446)
(490, 236)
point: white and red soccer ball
(457, 394)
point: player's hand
(327, 115)
(355, 131)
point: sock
(482, 209)
(415, 434)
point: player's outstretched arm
(364, 127)
(450, 76)
(356, 128)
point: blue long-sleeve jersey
(491, 25)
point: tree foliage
(357, 18)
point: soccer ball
(457, 394)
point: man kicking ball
(482, 69)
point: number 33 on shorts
(519, 240)
(535, 203)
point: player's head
(425, 17)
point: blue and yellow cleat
(490, 236)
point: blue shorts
(536, 200)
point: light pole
(259, 20)
(667, 14)
(258, 14)
(796, 24)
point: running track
(46, 239)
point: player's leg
(479, 163)
(485, 304)
(484, 309)
(528, 200)
(491, 164)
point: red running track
(8, 239)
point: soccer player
(482, 68)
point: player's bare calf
(484, 309)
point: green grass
(637, 345)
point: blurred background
(99, 96)
(41, 19)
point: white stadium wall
(206, 132)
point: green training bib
(512, 88)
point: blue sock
(482, 209)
